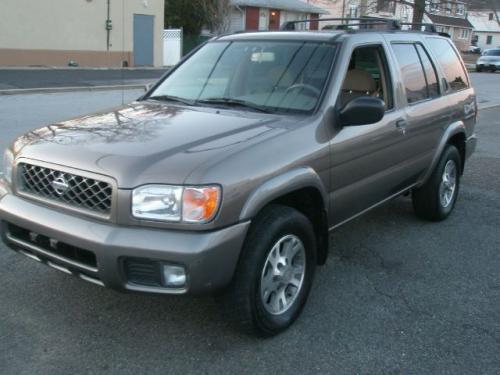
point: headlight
(8, 161)
(175, 203)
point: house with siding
(252, 15)
(486, 24)
(388, 9)
(451, 17)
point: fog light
(174, 276)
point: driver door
(367, 161)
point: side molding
(277, 186)
(454, 129)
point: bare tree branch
(218, 14)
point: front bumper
(209, 258)
(488, 65)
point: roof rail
(428, 27)
(362, 21)
(366, 23)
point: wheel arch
(455, 135)
(301, 189)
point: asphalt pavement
(397, 296)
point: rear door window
(413, 74)
(449, 61)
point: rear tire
(479, 69)
(436, 199)
(268, 290)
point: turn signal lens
(200, 205)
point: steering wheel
(304, 86)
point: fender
(277, 186)
(454, 128)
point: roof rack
(428, 27)
(365, 23)
(362, 21)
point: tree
(188, 14)
(217, 14)
(193, 15)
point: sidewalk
(33, 79)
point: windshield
(271, 76)
(492, 52)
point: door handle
(401, 125)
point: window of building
(464, 33)
(435, 5)
(460, 9)
(386, 6)
(453, 69)
(443, 29)
(413, 73)
(353, 11)
(368, 75)
(447, 7)
(490, 16)
(489, 39)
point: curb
(47, 90)
(490, 106)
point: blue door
(143, 39)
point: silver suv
(229, 174)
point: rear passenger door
(426, 110)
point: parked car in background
(229, 174)
(489, 60)
(474, 50)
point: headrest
(359, 80)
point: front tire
(274, 274)
(436, 199)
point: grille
(67, 188)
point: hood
(147, 142)
(489, 58)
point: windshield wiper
(234, 103)
(170, 98)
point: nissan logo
(60, 185)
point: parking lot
(397, 296)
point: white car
(489, 60)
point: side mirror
(363, 110)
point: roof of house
(481, 22)
(290, 5)
(450, 21)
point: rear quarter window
(450, 62)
